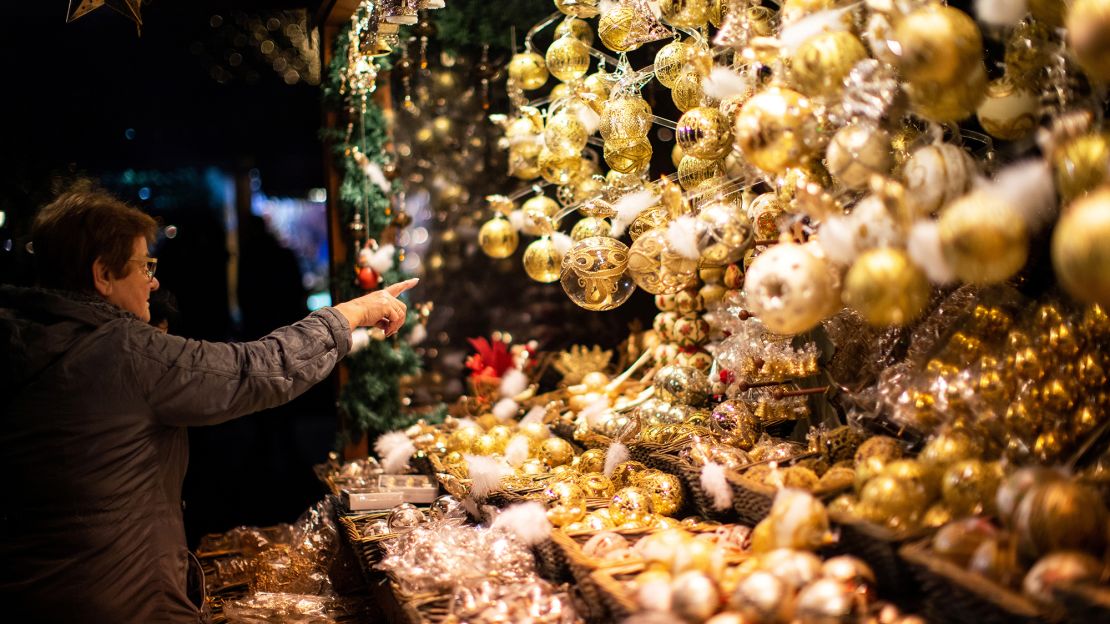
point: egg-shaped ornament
(670, 60)
(1088, 23)
(542, 260)
(776, 129)
(498, 238)
(627, 155)
(886, 287)
(567, 58)
(857, 152)
(616, 29)
(937, 44)
(656, 268)
(724, 233)
(693, 171)
(820, 65)
(528, 70)
(595, 274)
(1081, 248)
(935, 175)
(564, 131)
(983, 239)
(789, 289)
(1008, 112)
(704, 132)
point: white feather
(513, 382)
(505, 409)
(616, 454)
(594, 411)
(629, 207)
(471, 507)
(923, 247)
(836, 239)
(386, 442)
(528, 521)
(796, 33)
(382, 259)
(562, 242)
(516, 451)
(1001, 12)
(682, 237)
(606, 6)
(360, 337)
(485, 474)
(516, 218)
(723, 83)
(536, 414)
(374, 171)
(1027, 188)
(397, 460)
(466, 422)
(589, 118)
(713, 481)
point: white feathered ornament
(629, 206)
(528, 521)
(394, 449)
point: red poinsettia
(491, 360)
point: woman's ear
(102, 277)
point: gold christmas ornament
(892, 502)
(565, 132)
(595, 90)
(462, 439)
(497, 238)
(830, 600)
(1060, 514)
(578, 8)
(656, 268)
(857, 152)
(591, 460)
(983, 240)
(588, 227)
(725, 233)
(936, 175)
(789, 289)
(596, 485)
(948, 448)
(687, 91)
(542, 261)
(627, 155)
(704, 132)
(528, 70)
(670, 60)
(559, 166)
(820, 65)
(1088, 23)
(968, 487)
(577, 28)
(616, 29)
(1008, 112)
(663, 490)
(556, 452)
(949, 102)
(682, 384)
(937, 44)
(566, 503)
(630, 505)
(594, 274)
(693, 171)
(1081, 164)
(917, 472)
(775, 129)
(567, 58)
(1081, 248)
(885, 287)
(685, 13)
(538, 211)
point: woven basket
(701, 501)
(954, 594)
(1085, 602)
(618, 601)
(367, 550)
(878, 547)
(752, 500)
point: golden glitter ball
(627, 155)
(1008, 112)
(565, 132)
(685, 13)
(669, 61)
(559, 166)
(630, 504)
(656, 268)
(596, 485)
(542, 261)
(591, 460)
(693, 171)
(487, 445)
(726, 233)
(497, 238)
(594, 273)
(663, 490)
(884, 448)
(950, 447)
(533, 466)
(938, 44)
(578, 8)
(983, 239)
(944, 103)
(1081, 248)
(1028, 52)
(936, 516)
(577, 28)
(687, 91)
(566, 503)
(886, 287)
(1088, 25)
(857, 152)
(1081, 164)
(774, 129)
(616, 28)
(968, 487)
(820, 65)
(624, 473)
(703, 132)
(556, 452)
(462, 439)
(892, 502)
(588, 227)
(567, 58)
(528, 70)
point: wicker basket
(953, 594)
(368, 550)
(700, 499)
(752, 499)
(618, 601)
(878, 547)
(1084, 602)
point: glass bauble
(567, 58)
(497, 238)
(578, 8)
(625, 116)
(789, 289)
(935, 175)
(775, 129)
(627, 155)
(538, 211)
(685, 13)
(528, 70)
(616, 29)
(578, 28)
(693, 171)
(983, 239)
(886, 287)
(857, 152)
(669, 61)
(945, 103)
(938, 44)
(1081, 248)
(1088, 23)
(565, 132)
(542, 260)
(594, 273)
(822, 62)
(1008, 112)
(703, 132)
(656, 268)
(725, 232)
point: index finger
(401, 287)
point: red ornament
(368, 278)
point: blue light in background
(319, 300)
(144, 193)
(129, 134)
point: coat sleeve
(192, 382)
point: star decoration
(128, 8)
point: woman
(95, 401)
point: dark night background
(72, 92)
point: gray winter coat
(93, 447)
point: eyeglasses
(150, 266)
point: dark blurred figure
(163, 310)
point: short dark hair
(78, 227)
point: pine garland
(471, 23)
(370, 400)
